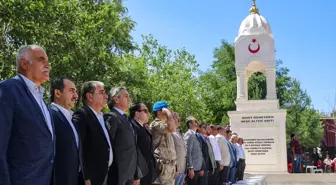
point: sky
(304, 33)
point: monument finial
(254, 9)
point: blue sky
(304, 32)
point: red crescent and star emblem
(254, 50)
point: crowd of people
(298, 160)
(44, 144)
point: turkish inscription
(258, 147)
(257, 119)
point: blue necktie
(130, 124)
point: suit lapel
(128, 124)
(37, 106)
(94, 118)
(64, 121)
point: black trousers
(210, 173)
(195, 180)
(224, 175)
(206, 179)
(215, 175)
(241, 169)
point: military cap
(159, 105)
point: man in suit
(212, 133)
(27, 139)
(208, 155)
(123, 139)
(233, 169)
(96, 146)
(233, 160)
(68, 157)
(241, 159)
(181, 153)
(195, 160)
(225, 153)
(139, 115)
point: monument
(261, 123)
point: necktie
(130, 124)
(125, 117)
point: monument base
(264, 134)
(289, 179)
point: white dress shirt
(68, 115)
(241, 151)
(215, 148)
(100, 118)
(38, 96)
(192, 131)
(120, 111)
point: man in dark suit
(96, 146)
(27, 139)
(139, 115)
(68, 159)
(208, 155)
(123, 138)
(195, 159)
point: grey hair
(114, 92)
(234, 136)
(23, 53)
(89, 87)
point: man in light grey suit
(225, 153)
(181, 152)
(195, 160)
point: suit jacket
(233, 154)
(195, 158)
(27, 148)
(68, 156)
(208, 155)
(124, 167)
(145, 149)
(95, 147)
(181, 151)
(224, 150)
(212, 156)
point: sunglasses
(145, 110)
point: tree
(219, 84)
(83, 39)
(257, 86)
(168, 75)
(302, 119)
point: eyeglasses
(145, 110)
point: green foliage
(219, 85)
(170, 77)
(82, 38)
(257, 86)
(90, 40)
(302, 119)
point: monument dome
(254, 23)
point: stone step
(289, 179)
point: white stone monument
(261, 123)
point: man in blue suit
(68, 160)
(27, 139)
